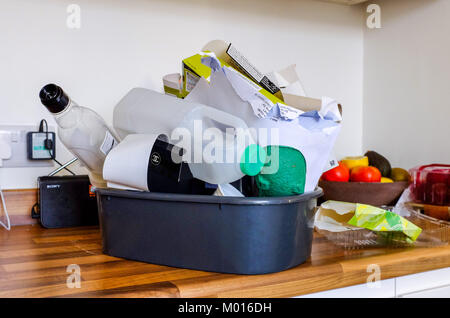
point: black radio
(65, 201)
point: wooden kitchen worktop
(33, 263)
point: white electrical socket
(5, 146)
(5, 138)
(17, 137)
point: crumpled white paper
(312, 131)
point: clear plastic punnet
(434, 233)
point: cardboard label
(250, 70)
(108, 143)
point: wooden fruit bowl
(373, 193)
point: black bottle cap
(53, 97)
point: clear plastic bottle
(84, 133)
(143, 111)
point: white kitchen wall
(123, 44)
(406, 83)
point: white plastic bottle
(81, 130)
(191, 126)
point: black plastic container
(218, 234)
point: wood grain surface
(19, 203)
(33, 263)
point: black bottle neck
(54, 98)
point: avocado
(381, 163)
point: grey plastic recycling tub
(210, 233)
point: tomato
(339, 174)
(365, 174)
